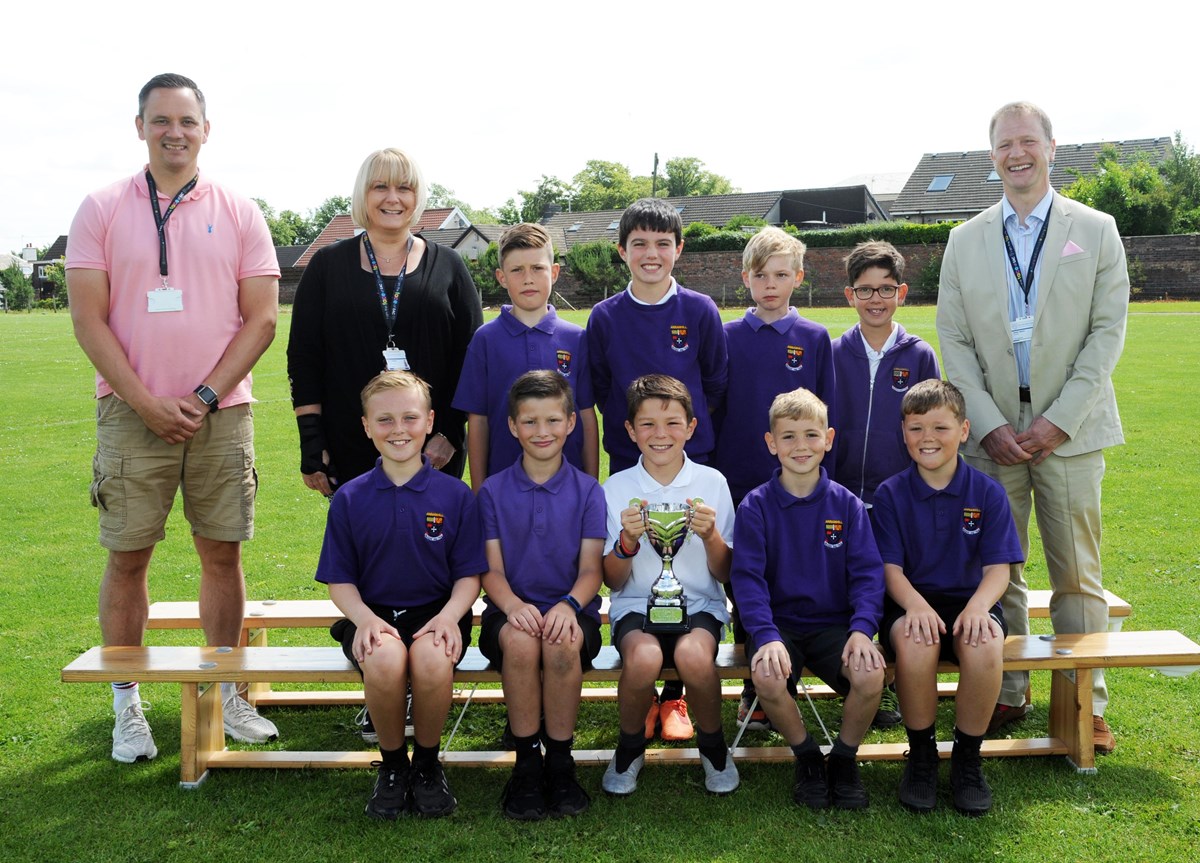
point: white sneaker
(243, 723)
(132, 740)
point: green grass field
(63, 798)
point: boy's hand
(704, 519)
(440, 450)
(922, 624)
(861, 653)
(445, 631)
(369, 637)
(527, 619)
(632, 523)
(975, 627)
(560, 624)
(778, 662)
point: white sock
(124, 694)
(228, 691)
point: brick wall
(1171, 265)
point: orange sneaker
(652, 718)
(675, 722)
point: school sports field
(63, 799)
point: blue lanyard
(1033, 259)
(160, 219)
(389, 315)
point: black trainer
(845, 785)
(918, 785)
(391, 795)
(522, 797)
(970, 790)
(431, 797)
(564, 794)
(888, 714)
(809, 787)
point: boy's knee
(560, 658)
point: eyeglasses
(886, 292)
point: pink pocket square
(1071, 249)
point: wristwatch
(207, 395)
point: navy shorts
(819, 651)
(635, 620)
(948, 608)
(408, 621)
(493, 622)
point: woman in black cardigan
(413, 306)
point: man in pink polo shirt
(174, 291)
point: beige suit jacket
(1078, 326)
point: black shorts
(948, 608)
(493, 622)
(408, 621)
(634, 621)
(819, 651)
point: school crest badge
(564, 363)
(679, 341)
(972, 520)
(795, 358)
(435, 522)
(900, 380)
(833, 533)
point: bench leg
(255, 638)
(202, 731)
(1071, 716)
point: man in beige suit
(1031, 318)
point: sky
(488, 97)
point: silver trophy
(668, 527)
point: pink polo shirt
(214, 239)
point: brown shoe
(1006, 715)
(1102, 736)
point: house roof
(288, 255)
(339, 228)
(57, 250)
(970, 191)
(447, 237)
(433, 219)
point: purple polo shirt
(803, 564)
(681, 337)
(764, 361)
(869, 443)
(500, 352)
(943, 539)
(540, 528)
(402, 546)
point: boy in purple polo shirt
(876, 362)
(808, 583)
(947, 538)
(527, 335)
(402, 557)
(772, 350)
(656, 326)
(544, 523)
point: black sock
(394, 758)
(629, 747)
(558, 752)
(712, 747)
(805, 746)
(672, 691)
(842, 749)
(424, 757)
(918, 737)
(529, 750)
(967, 744)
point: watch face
(207, 395)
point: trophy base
(666, 619)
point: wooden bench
(1070, 658)
(261, 616)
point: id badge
(1022, 330)
(395, 360)
(164, 300)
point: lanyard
(160, 220)
(389, 315)
(1033, 258)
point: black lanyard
(160, 220)
(389, 315)
(1033, 259)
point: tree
(608, 186)
(598, 266)
(483, 273)
(440, 196)
(550, 190)
(288, 228)
(56, 275)
(17, 287)
(1134, 193)
(1182, 173)
(686, 176)
(323, 215)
